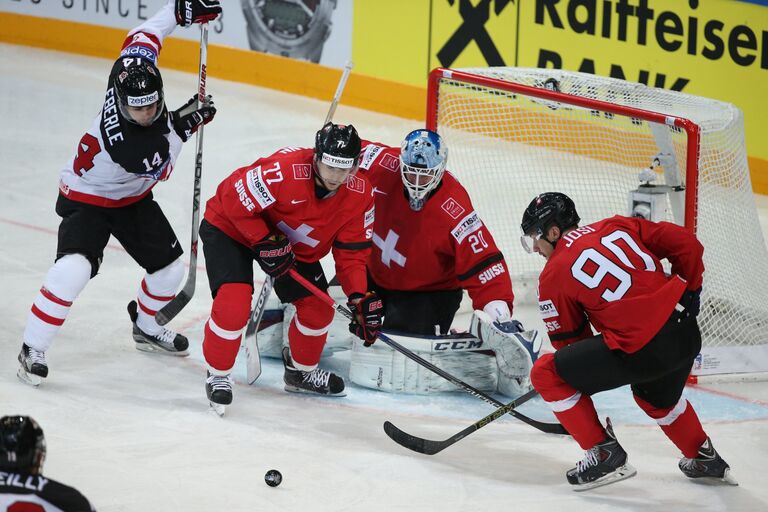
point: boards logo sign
(547, 309)
(302, 171)
(452, 208)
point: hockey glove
(196, 11)
(274, 255)
(368, 310)
(509, 326)
(691, 301)
(189, 118)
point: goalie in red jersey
(289, 209)
(429, 245)
(609, 274)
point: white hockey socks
(157, 290)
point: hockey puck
(273, 478)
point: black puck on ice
(273, 478)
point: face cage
(127, 116)
(419, 192)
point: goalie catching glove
(274, 254)
(368, 311)
(196, 11)
(189, 118)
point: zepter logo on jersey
(466, 226)
(452, 208)
(355, 184)
(258, 188)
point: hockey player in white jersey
(106, 189)
(22, 484)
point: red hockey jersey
(277, 194)
(444, 246)
(609, 273)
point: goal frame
(691, 129)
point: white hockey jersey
(117, 162)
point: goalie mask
(138, 84)
(22, 445)
(422, 164)
(547, 210)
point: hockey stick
(174, 307)
(252, 356)
(549, 428)
(429, 447)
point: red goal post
(512, 133)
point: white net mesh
(507, 147)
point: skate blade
(294, 389)
(622, 473)
(29, 378)
(218, 408)
(727, 479)
(144, 346)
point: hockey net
(513, 133)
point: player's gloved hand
(274, 254)
(189, 118)
(196, 11)
(368, 310)
(691, 301)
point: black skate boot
(166, 342)
(218, 388)
(603, 464)
(33, 367)
(317, 381)
(708, 466)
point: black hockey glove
(274, 255)
(691, 301)
(196, 11)
(189, 118)
(368, 310)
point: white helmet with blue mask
(422, 164)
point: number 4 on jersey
(87, 150)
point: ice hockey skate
(321, 382)
(33, 367)
(166, 342)
(603, 464)
(708, 467)
(218, 388)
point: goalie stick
(174, 307)
(549, 428)
(429, 447)
(252, 356)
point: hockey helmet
(138, 83)
(338, 145)
(422, 164)
(547, 210)
(22, 445)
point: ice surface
(133, 431)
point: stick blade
(173, 308)
(252, 359)
(413, 443)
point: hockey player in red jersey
(106, 189)
(290, 208)
(609, 274)
(22, 484)
(430, 244)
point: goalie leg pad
(229, 314)
(385, 369)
